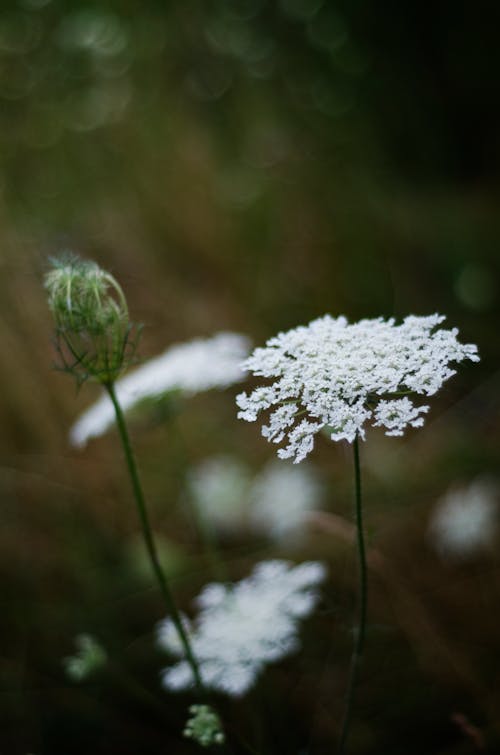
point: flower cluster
(465, 520)
(242, 627)
(93, 332)
(190, 368)
(281, 499)
(204, 726)
(335, 375)
(276, 501)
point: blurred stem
(363, 594)
(148, 535)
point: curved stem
(148, 535)
(363, 594)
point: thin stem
(148, 535)
(363, 594)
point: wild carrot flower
(204, 726)
(92, 332)
(339, 376)
(274, 502)
(192, 367)
(92, 328)
(281, 499)
(465, 520)
(242, 627)
(219, 487)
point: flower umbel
(465, 520)
(242, 627)
(198, 365)
(93, 331)
(204, 726)
(338, 376)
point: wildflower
(93, 331)
(330, 374)
(219, 487)
(190, 368)
(242, 627)
(90, 657)
(276, 501)
(465, 520)
(204, 726)
(281, 499)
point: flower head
(93, 331)
(335, 375)
(219, 487)
(275, 502)
(282, 497)
(204, 726)
(465, 520)
(242, 627)
(191, 367)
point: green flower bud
(204, 726)
(93, 330)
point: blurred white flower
(191, 367)
(275, 502)
(340, 376)
(465, 520)
(242, 627)
(281, 498)
(219, 487)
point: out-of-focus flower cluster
(340, 376)
(276, 501)
(242, 627)
(189, 368)
(465, 520)
(204, 726)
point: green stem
(363, 594)
(148, 535)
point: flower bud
(204, 726)
(93, 331)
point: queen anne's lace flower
(465, 520)
(219, 488)
(191, 367)
(242, 627)
(330, 374)
(281, 499)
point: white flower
(341, 376)
(465, 520)
(242, 627)
(281, 498)
(219, 487)
(275, 502)
(191, 367)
